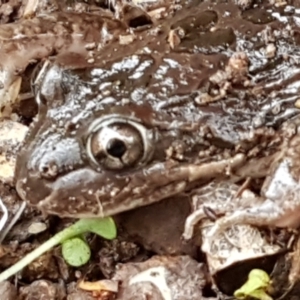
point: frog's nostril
(49, 170)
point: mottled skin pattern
(203, 98)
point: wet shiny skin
(205, 105)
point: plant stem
(104, 227)
(63, 235)
(17, 267)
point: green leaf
(104, 227)
(76, 252)
(255, 287)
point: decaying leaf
(100, 285)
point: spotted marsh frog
(204, 95)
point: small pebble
(37, 227)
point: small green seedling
(104, 227)
(76, 252)
(256, 286)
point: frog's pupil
(116, 148)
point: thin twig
(4, 218)
(14, 220)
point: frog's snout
(34, 176)
(43, 163)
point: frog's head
(92, 154)
(107, 140)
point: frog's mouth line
(112, 208)
(74, 204)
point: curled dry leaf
(239, 243)
(100, 285)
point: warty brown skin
(194, 98)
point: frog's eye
(117, 143)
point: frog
(194, 98)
